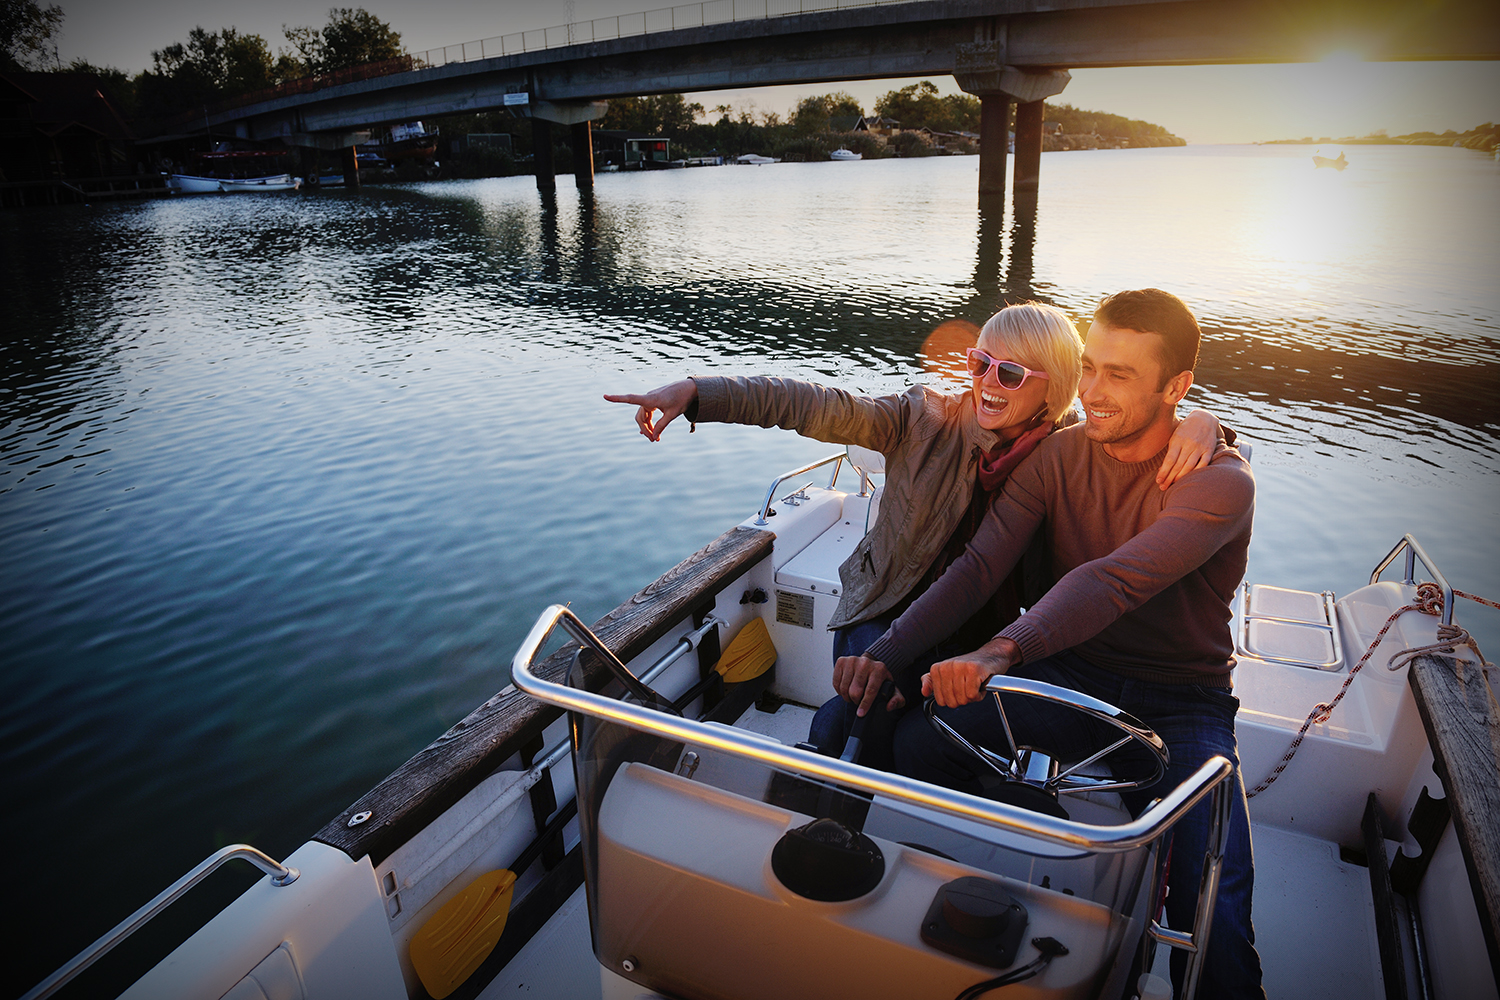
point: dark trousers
(1195, 722)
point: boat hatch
(1295, 627)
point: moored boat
(657, 866)
(845, 154)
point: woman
(946, 455)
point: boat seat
(871, 463)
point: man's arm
(965, 586)
(1202, 514)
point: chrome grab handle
(1106, 839)
(1414, 551)
(765, 508)
(280, 875)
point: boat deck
(1314, 919)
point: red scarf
(996, 466)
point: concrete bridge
(1003, 51)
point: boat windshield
(710, 873)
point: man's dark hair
(1151, 310)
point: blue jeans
(831, 725)
(1195, 722)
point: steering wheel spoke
(1028, 764)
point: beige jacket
(931, 441)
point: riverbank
(1485, 138)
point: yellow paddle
(748, 656)
(456, 940)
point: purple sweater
(1144, 578)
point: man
(1139, 615)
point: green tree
(116, 84)
(920, 106)
(27, 32)
(209, 67)
(813, 114)
(664, 114)
(352, 37)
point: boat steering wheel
(1040, 770)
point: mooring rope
(1429, 601)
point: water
(285, 479)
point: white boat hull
(189, 184)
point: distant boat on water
(756, 159)
(1338, 164)
(845, 154)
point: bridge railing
(689, 15)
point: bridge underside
(932, 38)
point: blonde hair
(1043, 338)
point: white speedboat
(188, 184)
(623, 822)
(755, 159)
(845, 154)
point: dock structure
(1006, 52)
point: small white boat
(189, 184)
(275, 182)
(845, 154)
(652, 862)
(755, 159)
(1337, 163)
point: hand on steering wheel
(1038, 768)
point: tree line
(210, 66)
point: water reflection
(341, 447)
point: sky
(1340, 96)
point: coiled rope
(1429, 601)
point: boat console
(828, 878)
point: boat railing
(281, 875)
(1414, 551)
(1211, 779)
(837, 458)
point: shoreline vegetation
(156, 117)
(1484, 139)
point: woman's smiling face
(1007, 412)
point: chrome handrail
(1105, 839)
(280, 875)
(765, 508)
(1414, 551)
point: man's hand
(961, 680)
(671, 400)
(858, 680)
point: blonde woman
(946, 456)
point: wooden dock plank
(450, 767)
(1463, 729)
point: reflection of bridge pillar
(583, 156)
(994, 128)
(1028, 146)
(981, 70)
(350, 160)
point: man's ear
(1177, 387)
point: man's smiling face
(1122, 389)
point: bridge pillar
(994, 128)
(583, 156)
(350, 160)
(981, 71)
(541, 154)
(1028, 146)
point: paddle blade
(749, 655)
(462, 933)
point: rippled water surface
(285, 479)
